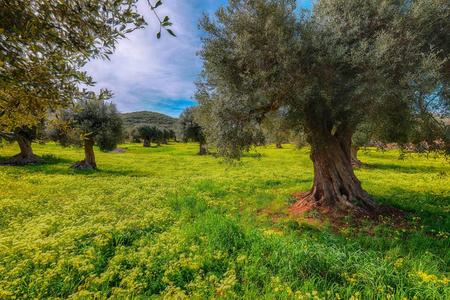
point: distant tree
(151, 133)
(148, 134)
(132, 135)
(159, 136)
(190, 130)
(345, 63)
(92, 121)
(167, 134)
(276, 129)
(43, 48)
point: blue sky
(158, 75)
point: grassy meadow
(166, 223)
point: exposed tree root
(338, 214)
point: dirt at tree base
(339, 217)
(21, 160)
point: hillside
(134, 119)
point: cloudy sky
(157, 75)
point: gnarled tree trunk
(89, 156)
(335, 186)
(26, 155)
(146, 143)
(203, 150)
(356, 163)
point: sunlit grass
(164, 221)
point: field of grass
(164, 222)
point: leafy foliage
(346, 63)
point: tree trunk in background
(203, 150)
(146, 143)
(356, 163)
(26, 155)
(335, 186)
(279, 146)
(89, 156)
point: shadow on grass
(53, 165)
(99, 172)
(47, 159)
(429, 206)
(403, 169)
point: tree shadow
(429, 206)
(403, 169)
(46, 159)
(88, 172)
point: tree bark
(203, 150)
(356, 163)
(26, 155)
(279, 146)
(89, 156)
(146, 143)
(335, 186)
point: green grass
(164, 222)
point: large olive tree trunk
(26, 155)
(335, 186)
(89, 156)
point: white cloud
(149, 74)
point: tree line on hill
(344, 74)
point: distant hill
(134, 119)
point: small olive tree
(92, 121)
(149, 134)
(190, 130)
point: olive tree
(92, 121)
(276, 130)
(149, 134)
(190, 130)
(346, 62)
